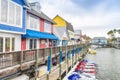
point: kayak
(84, 70)
(92, 51)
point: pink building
(39, 29)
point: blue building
(12, 24)
(99, 40)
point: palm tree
(118, 31)
(110, 33)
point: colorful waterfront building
(12, 24)
(64, 30)
(39, 29)
(78, 36)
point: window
(7, 44)
(4, 10)
(18, 15)
(13, 44)
(33, 22)
(47, 27)
(1, 44)
(11, 13)
(33, 44)
(12, 10)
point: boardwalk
(13, 62)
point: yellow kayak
(92, 51)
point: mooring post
(21, 59)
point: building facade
(99, 40)
(39, 29)
(12, 24)
(78, 36)
(64, 29)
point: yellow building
(60, 23)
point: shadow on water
(108, 61)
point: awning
(37, 34)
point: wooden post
(60, 66)
(48, 76)
(51, 57)
(66, 60)
(72, 58)
(21, 60)
(36, 65)
(44, 55)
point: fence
(37, 55)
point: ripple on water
(108, 61)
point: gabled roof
(59, 17)
(69, 26)
(41, 15)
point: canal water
(108, 63)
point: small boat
(92, 51)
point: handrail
(9, 59)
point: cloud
(89, 15)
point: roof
(26, 3)
(59, 17)
(41, 15)
(103, 38)
(69, 26)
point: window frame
(0, 11)
(46, 27)
(33, 45)
(6, 44)
(2, 44)
(10, 45)
(7, 23)
(37, 22)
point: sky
(93, 17)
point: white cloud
(81, 18)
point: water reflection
(108, 60)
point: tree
(118, 31)
(112, 34)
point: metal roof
(40, 14)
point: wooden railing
(24, 59)
(19, 57)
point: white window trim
(28, 43)
(0, 11)
(28, 24)
(4, 43)
(47, 22)
(18, 26)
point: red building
(39, 29)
